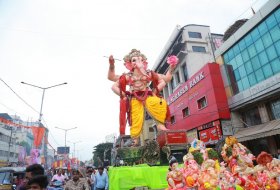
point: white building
(194, 45)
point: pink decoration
(172, 60)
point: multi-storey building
(250, 66)
(196, 94)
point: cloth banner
(35, 156)
(38, 134)
(128, 177)
(21, 154)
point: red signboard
(172, 138)
(203, 95)
(210, 135)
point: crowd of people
(78, 179)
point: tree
(100, 152)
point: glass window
(252, 117)
(275, 33)
(186, 112)
(194, 34)
(277, 46)
(185, 71)
(233, 63)
(172, 83)
(239, 60)
(177, 76)
(236, 74)
(252, 79)
(245, 55)
(248, 40)
(245, 83)
(267, 41)
(201, 103)
(236, 49)
(275, 64)
(271, 53)
(242, 45)
(256, 63)
(262, 28)
(230, 54)
(259, 75)
(252, 50)
(271, 21)
(248, 67)
(240, 85)
(267, 71)
(277, 15)
(259, 45)
(226, 59)
(263, 58)
(199, 49)
(242, 71)
(275, 109)
(255, 34)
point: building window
(251, 117)
(258, 52)
(185, 72)
(186, 112)
(275, 109)
(173, 85)
(177, 78)
(173, 119)
(198, 49)
(195, 35)
(202, 103)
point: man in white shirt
(59, 177)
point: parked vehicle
(11, 177)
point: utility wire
(19, 96)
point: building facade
(196, 95)
(250, 66)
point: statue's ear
(128, 65)
(145, 63)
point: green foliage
(229, 151)
(101, 150)
(212, 154)
(198, 156)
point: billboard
(63, 150)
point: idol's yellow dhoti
(156, 108)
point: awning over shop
(259, 131)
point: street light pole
(43, 88)
(74, 146)
(40, 114)
(65, 130)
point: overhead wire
(19, 96)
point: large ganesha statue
(140, 97)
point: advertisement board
(63, 150)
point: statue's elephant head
(136, 60)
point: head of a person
(100, 169)
(59, 172)
(39, 182)
(32, 171)
(75, 175)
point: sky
(48, 42)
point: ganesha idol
(190, 171)
(175, 176)
(140, 97)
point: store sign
(227, 127)
(210, 135)
(191, 135)
(188, 85)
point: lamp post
(44, 89)
(65, 130)
(40, 114)
(74, 143)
